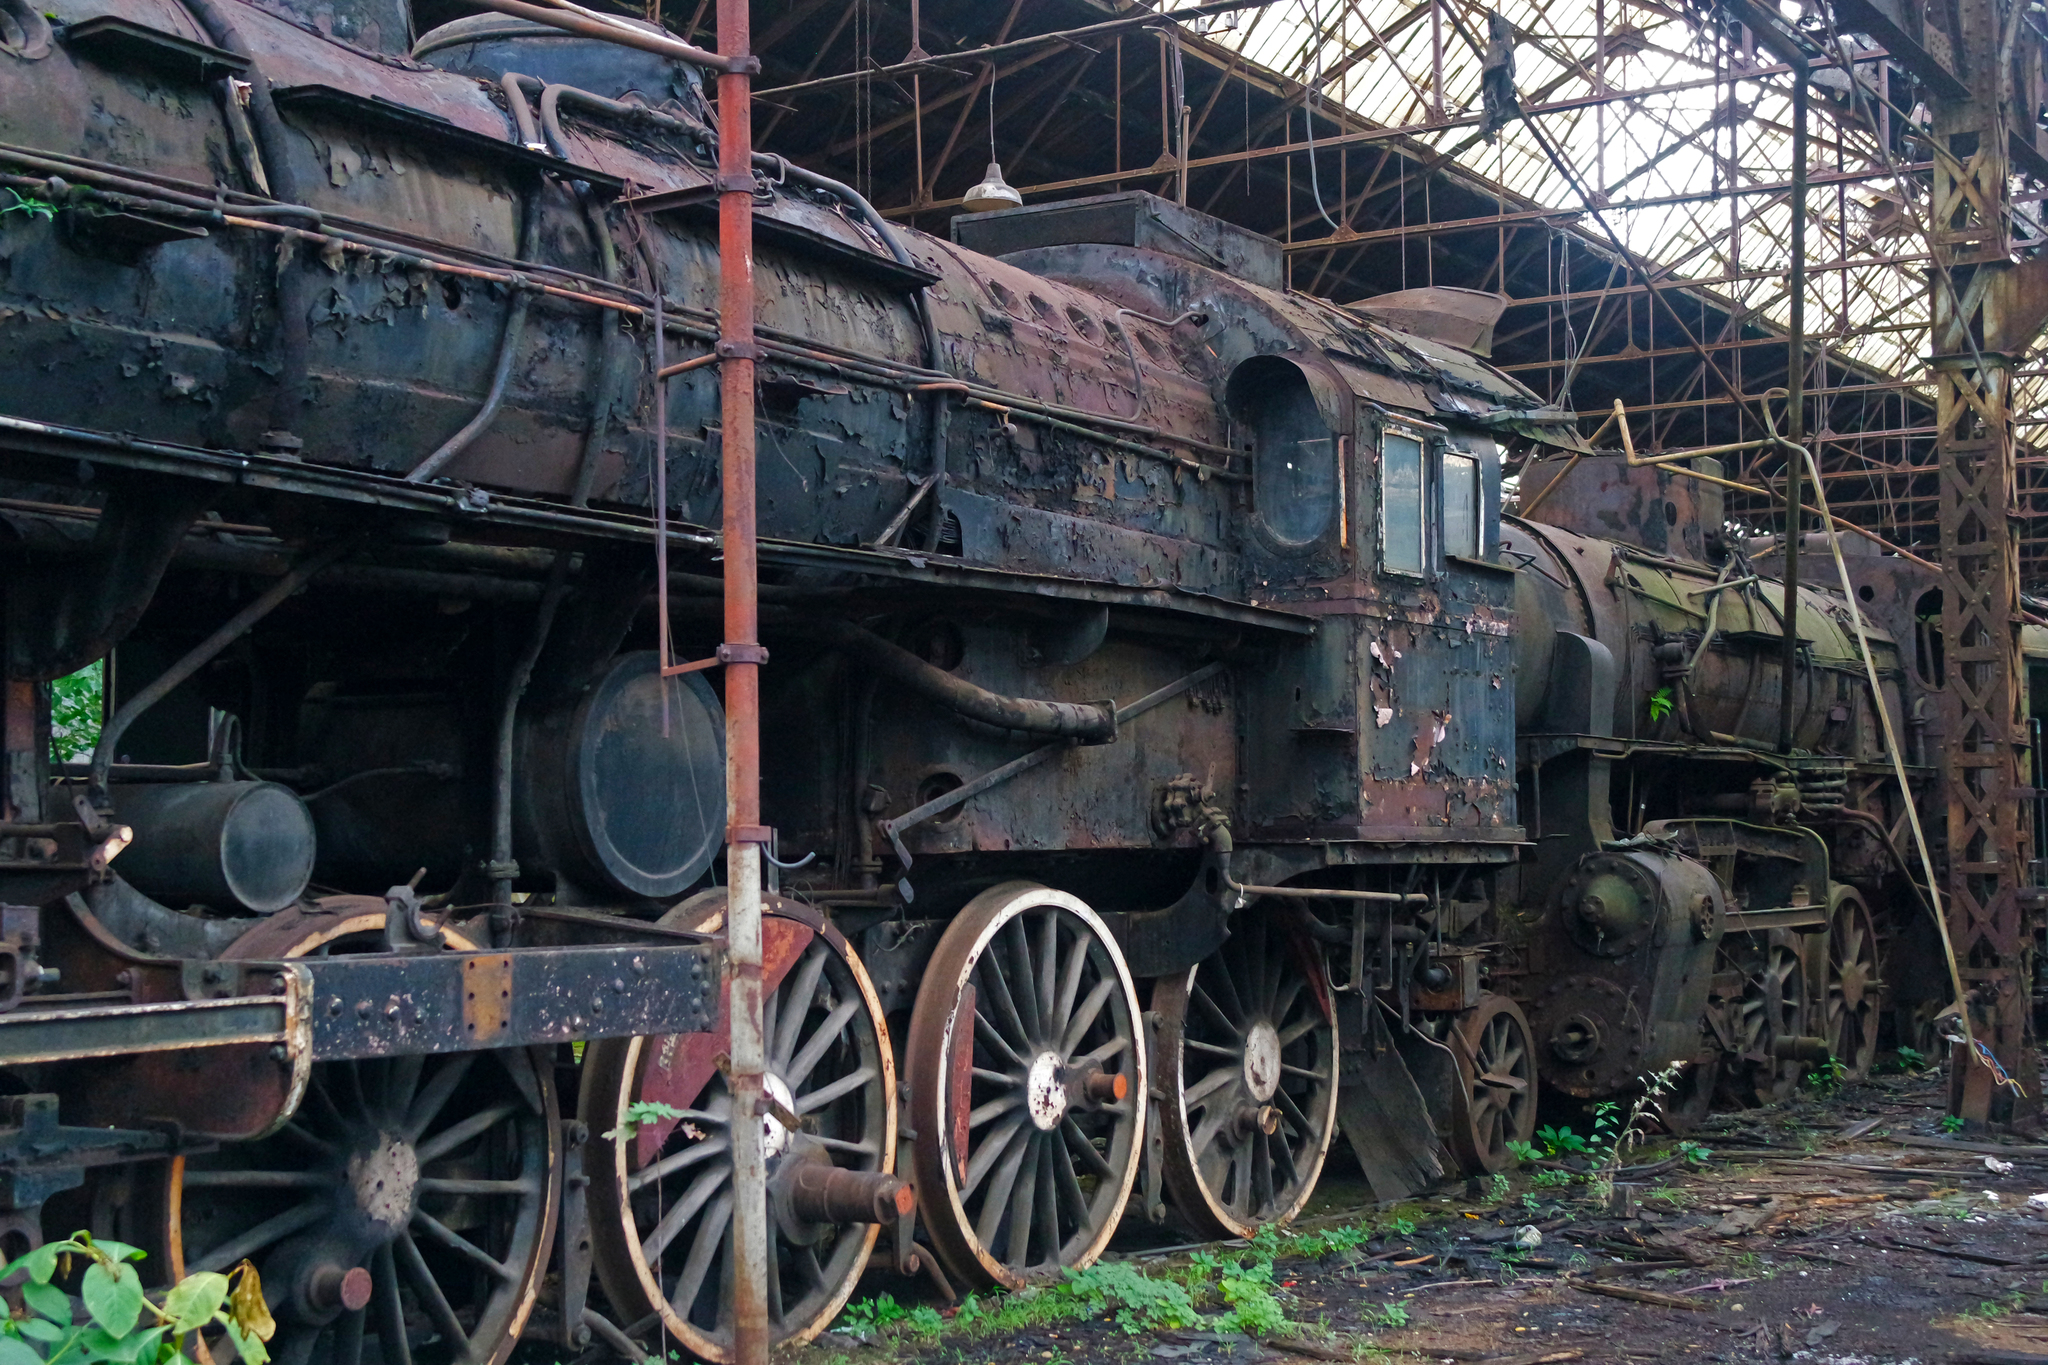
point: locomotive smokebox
(237, 846)
(1655, 507)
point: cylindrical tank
(232, 846)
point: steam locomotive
(1176, 758)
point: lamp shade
(992, 193)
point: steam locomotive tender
(1176, 758)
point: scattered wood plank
(1977, 1256)
(1648, 1296)
(1611, 1271)
(1859, 1128)
(1549, 1358)
(1312, 1349)
(1815, 1256)
(1958, 1145)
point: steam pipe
(1074, 720)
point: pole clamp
(742, 654)
(736, 182)
(737, 350)
(750, 834)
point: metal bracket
(486, 995)
(742, 654)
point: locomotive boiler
(1175, 758)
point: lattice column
(1988, 837)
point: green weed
(1140, 1302)
(1828, 1078)
(1551, 1179)
(1524, 1152)
(1952, 1123)
(1388, 1315)
(1498, 1189)
(1694, 1153)
(1561, 1141)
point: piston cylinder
(234, 846)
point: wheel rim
(1247, 1063)
(1852, 984)
(430, 1182)
(661, 1198)
(1025, 1019)
(436, 1175)
(1497, 1085)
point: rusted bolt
(1108, 1087)
(278, 1052)
(331, 1287)
(363, 1008)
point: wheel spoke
(710, 1240)
(1085, 1017)
(800, 993)
(1068, 1182)
(431, 1184)
(275, 1228)
(999, 1191)
(1046, 1198)
(427, 1104)
(984, 1159)
(1023, 1203)
(1048, 974)
(677, 1161)
(1025, 1000)
(987, 1033)
(682, 1211)
(462, 1246)
(402, 1082)
(996, 990)
(994, 1109)
(1215, 1012)
(1070, 981)
(390, 1313)
(1193, 1096)
(258, 1180)
(828, 1033)
(414, 1267)
(824, 1095)
(1235, 1054)
(453, 1136)
(1080, 1146)
(1232, 1012)
(1294, 1033)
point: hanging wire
(1308, 118)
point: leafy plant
(1387, 1315)
(650, 1111)
(1828, 1078)
(1551, 1180)
(1912, 1059)
(924, 1321)
(1498, 1188)
(76, 709)
(1521, 1151)
(1952, 1123)
(1141, 1302)
(123, 1327)
(1560, 1141)
(28, 204)
(1531, 1201)
(868, 1315)
(1660, 703)
(1694, 1153)
(1253, 1309)
(1402, 1227)
(1322, 1242)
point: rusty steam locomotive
(1176, 758)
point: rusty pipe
(820, 1192)
(752, 1258)
(1090, 723)
(569, 21)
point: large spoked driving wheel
(1852, 988)
(1247, 1065)
(1494, 1102)
(1027, 1087)
(406, 1211)
(1772, 1006)
(661, 1191)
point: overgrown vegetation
(76, 708)
(124, 1325)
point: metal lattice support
(1988, 840)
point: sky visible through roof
(1695, 124)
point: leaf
(47, 1299)
(15, 1351)
(41, 1263)
(39, 1329)
(248, 1309)
(247, 1344)
(192, 1304)
(128, 1349)
(119, 1251)
(113, 1296)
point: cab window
(1461, 506)
(1402, 544)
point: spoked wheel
(1248, 1066)
(1027, 1087)
(406, 1211)
(661, 1180)
(1772, 1006)
(1853, 984)
(1494, 1102)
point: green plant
(1912, 1059)
(1694, 1153)
(76, 709)
(1401, 1227)
(1531, 1201)
(1498, 1188)
(1247, 1288)
(1660, 703)
(33, 207)
(1521, 1151)
(866, 1316)
(1387, 1315)
(1952, 1123)
(1551, 1180)
(1828, 1078)
(1670, 1195)
(1141, 1303)
(1560, 1141)
(124, 1327)
(924, 1321)
(648, 1111)
(1311, 1245)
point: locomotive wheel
(1247, 1064)
(1027, 1087)
(411, 1200)
(1853, 986)
(1494, 1102)
(1773, 1006)
(661, 1187)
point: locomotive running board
(1381, 1109)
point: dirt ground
(1850, 1228)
